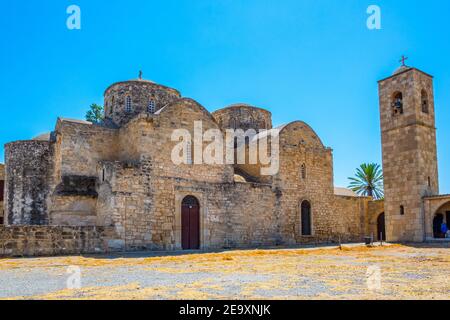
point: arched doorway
(306, 218)
(190, 223)
(437, 223)
(381, 227)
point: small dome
(240, 105)
(243, 116)
(243, 106)
(143, 80)
(126, 99)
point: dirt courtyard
(356, 272)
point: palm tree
(368, 181)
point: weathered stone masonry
(408, 133)
(28, 174)
(119, 175)
(48, 241)
(2, 193)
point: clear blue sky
(312, 60)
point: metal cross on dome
(403, 59)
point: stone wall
(350, 214)
(24, 241)
(2, 192)
(73, 211)
(124, 178)
(150, 138)
(375, 209)
(28, 171)
(81, 145)
(231, 215)
(142, 196)
(146, 211)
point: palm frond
(368, 181)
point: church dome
(243, 116)
(126, 99)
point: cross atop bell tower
(403, 60)
(409, 150)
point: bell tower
(409, 150)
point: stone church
(89, 187)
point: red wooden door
(190, 224)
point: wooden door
(190, 224)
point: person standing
(444, 229)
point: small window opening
(397, 104)
(128, 104)
(112, 105)
(303, 171)
(425, 107)
(151, 107)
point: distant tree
(368, 181)
(95, 114)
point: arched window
(151, 106)
(425, 108)
(303, 171)
(112, 105)
(306, 218)
(402, 210)
(251, 123)
(234, 123)
(128, 104)
(263, 125)
(429, 181)
(397, 103)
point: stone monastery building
(113, 186)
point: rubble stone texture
(119, 175)
(409, 152)
(2, 196)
